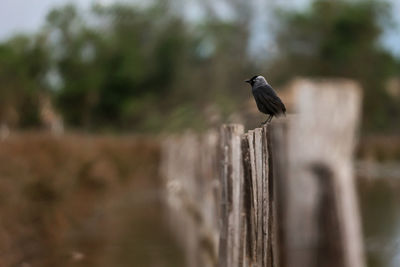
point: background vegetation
(149, 68)
(82, 201)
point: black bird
(267, 100)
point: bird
(268, 102)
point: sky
(18, 17)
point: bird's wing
(267, 89)
(270, 100)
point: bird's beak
(247, 81)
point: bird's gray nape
(260, 81)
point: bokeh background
(87, 89)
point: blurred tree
(73, 47)
(148, 68)
(142, 68)
(341, 39)
(23, 63)
(114, 71)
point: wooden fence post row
(278, 196)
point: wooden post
(257, 199)
(189, 169)
(318, 219)
(231, 180)
(208, 199)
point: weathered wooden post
(231, 180)
(257, 199)
(318, 219)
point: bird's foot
(266, 122)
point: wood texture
(231, 179)
(257, 199)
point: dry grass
(86, 200)
(379, 148)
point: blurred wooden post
(318, 219)
(190, 174)
(231, 179)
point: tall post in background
(318, 221)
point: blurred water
(380, 208)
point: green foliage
(133, 68)
(340, 39)
(22, 70)
(148, 69)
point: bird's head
(256, 80)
